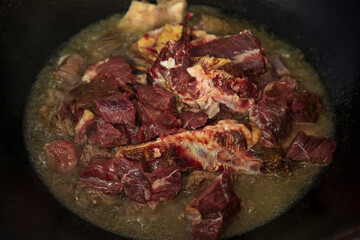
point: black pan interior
(327, 31)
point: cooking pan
(326, 31)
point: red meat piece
(306, 107)
(244, 49)
(104, 134)
(213, 208)
(166, 183)
(113, 68)
(116, 108)
(313, 149)
(156, 97)
(62, 155)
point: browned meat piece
(244, 49)
(199, 180)
(306, 107)
(156, 97)
(166, 183)
(190, 120)
(313, 149)
(278, 66)
(62, 155)
(113, 68)
(103, 134)
(274, 122)
(90, 151)
(70, 70)
(211, 211)
(115, 108)
(225, 146)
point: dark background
(328, 33)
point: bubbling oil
(263, 197)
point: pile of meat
(182, 102)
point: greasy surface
(277, 194)
(331, 207)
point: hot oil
(263, 197)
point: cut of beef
(135, 133)
(165, 183)
(148, 114)
(136, 185)
(116, 108)
(62, 155)
(113, 68)
(313, 149)
(279, 93)
(156, 97)
(199, 180)
(85, 93)
(306, 107)
(101, 174)
(112, 175)
(70, 70)
(211, 211)
(244, 49)
(190, 120)
(274, 122)
(104, 134)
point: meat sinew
(213, 208)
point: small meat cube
(274, 122)
(279, 93)
(62, 155)
(136, 185)
(116, 108)
(101, 175)
(84, 94)
(70, 70)
(313, 149)
(156, 97)
(306, 107)
(190, 120)
(213, 208)
(135, 133)
(104, 134)
(165, 183)
(113, 68)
